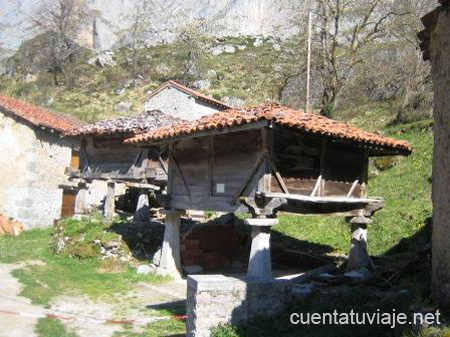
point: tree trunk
(440, 48)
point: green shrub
(384, 163)
(224, 331)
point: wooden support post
(359, 256)
(211, 166)
(109, 206)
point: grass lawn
(65, 275)
(62, 274)
(47, 327)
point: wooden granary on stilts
(265, 159)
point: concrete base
(217, 299)
(170, 252)
(110, 201)
(359, 256)
(260, 263)
(80, 202)
(143, 207)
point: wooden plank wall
(203, 166)
(301, 159)
(112, 159)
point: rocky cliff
(106, 21)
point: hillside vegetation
(96, 90)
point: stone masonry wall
(179, 104)
(33, 162)
(439, 51)
(217, 299)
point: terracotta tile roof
(146, 121)
(428, 21)
(38, 116)
(279, 115)
(189, 91)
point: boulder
(217, 50)
(163, 69)
(105, 60)
(234, 102)
(123, 107)
(202, 84)
(228, 48)
(258, 42)
(212, 74)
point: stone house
(105, 158)
(435, 44)
(33, 158)
(182, 102)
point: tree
(344, 29)
(190, 49)
(60, 21)
(138, 19)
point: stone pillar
(170, 252)
(359, 256)
(143, 207)
(260, 263)
(80, 200)
(109, 207)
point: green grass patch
(63, 274)
(47, 327)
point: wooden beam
(140, 185)
(278, 177)
(322, 200)
(316, 186)
(162, 164)
(180, 174)
(211, 166)
(252, 173)
(352, 189)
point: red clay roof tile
(279, 115)
(38, 116)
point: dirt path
(87, 318)
(17, 315)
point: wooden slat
(211, 166)
(278, 177)
(322, 200)
(250, 176)
(352, 189)
(316, 186)
(180, 174)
